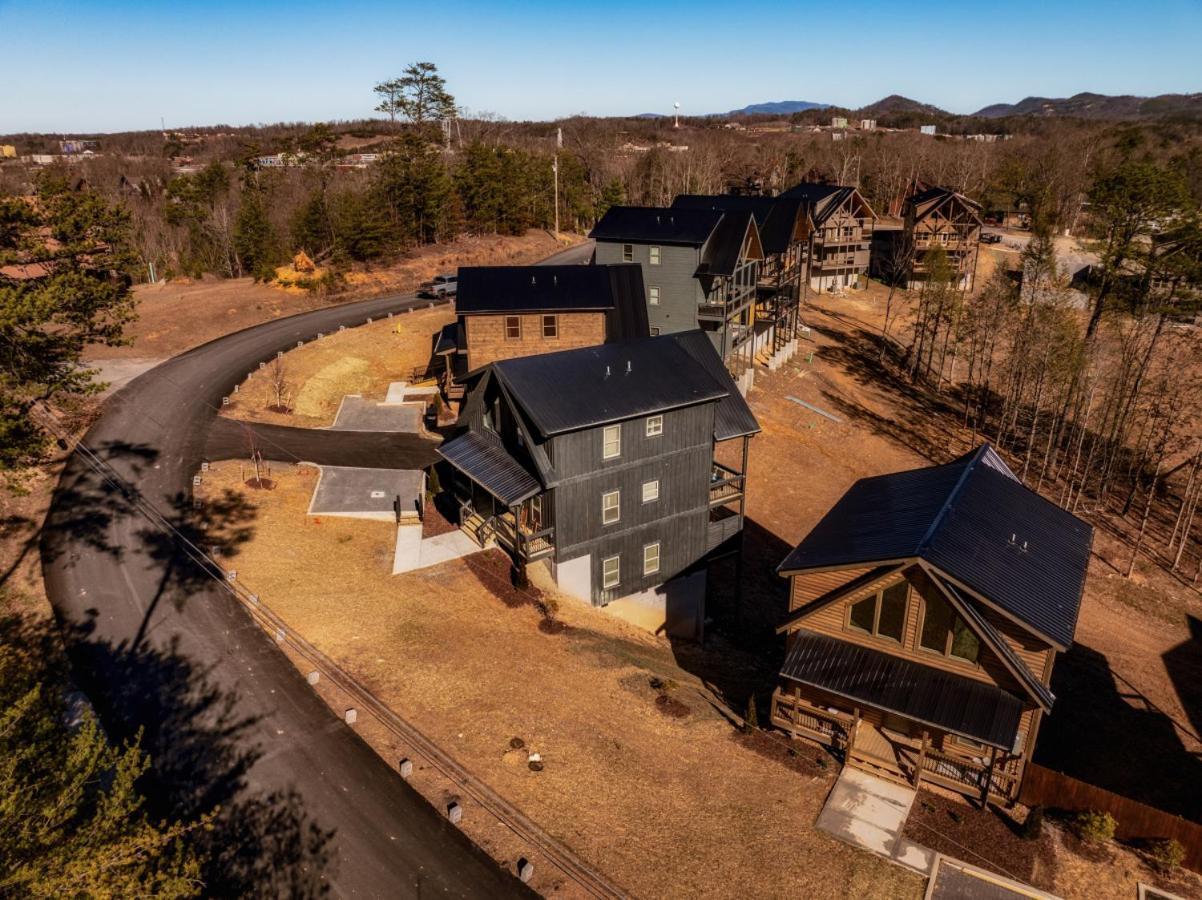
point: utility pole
(555, 169)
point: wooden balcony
(831, 729)
(725, 485)
(522, 543)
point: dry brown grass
(667, 805)
(359, 360)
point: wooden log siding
(487, 341)
(1135, 821)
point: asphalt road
(230, 439)
(307, 806)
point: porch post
(922, 759)
(988, 777)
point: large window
(883, 614)
(610, 571)
(513, 327)
(611, 507)
(628, 253)
(653, 255)
(651, 558)
(611, 442)
(944, 632)
(550, 326)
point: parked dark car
(990, 237)
(439, 286)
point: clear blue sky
(121, 64)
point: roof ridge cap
(951, 497)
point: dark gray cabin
(602, 462)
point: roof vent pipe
(607, 371)
(627, 367)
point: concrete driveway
(870, 813)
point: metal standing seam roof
(657, 224)
(774, 216)
(486, 462)
(733, 417)
(516, 289)
(822, 199)
(592, 386)
(943, 700)
(725, 246)
(974, 521)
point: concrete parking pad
(367, 493)
(952, 879)
(870, 812)
(357, 414)
(417, 553)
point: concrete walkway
(412, 552)
(869, 812)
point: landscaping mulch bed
(989, 838)
(434, 521)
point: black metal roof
(821, 199)
(733, 417)
(592, 386)
(724, 248)
(447, 340)
(978, 524)
(518, 289)
(943, 700)
(657, 225)
(775, 217)
(482, 458)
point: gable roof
(977, 524)
(721, 253)
(733, 417)
(822, 199)
(775, 217)
(925, 201)
(518, 289)
(657, 225)
(592, 386)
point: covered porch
(498, 499)
(900, 720)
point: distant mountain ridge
(1099, 106)
(776, 108)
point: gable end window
(944, 632)
(550, 326)
(611, 568)
(611, 507)
(628, 253)
(513, 328)
(611, 442)
(655, 426)
(653, 295)
(653, 255)
(882, 614)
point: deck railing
(725, 484)
(968, 775)
(793, 714)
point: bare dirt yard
(361, 360)
(639, 772)
(177, 315)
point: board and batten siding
(680, 292)
(579, 453)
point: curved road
(307, 805)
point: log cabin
(601, 462)
(784, 226)
(930, 217)
(926, 610)
(700, 270)
(504, 312)
(839, 240)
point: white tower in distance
(676, 106)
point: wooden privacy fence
(1135, 820)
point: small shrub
(1165, 854)
(1033, 826)
(1094, 827)
(752, 722)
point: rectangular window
(650, 491)
(628, 253)
(550, 326)
(651, 558)
(611, 442)
(513, 327)
(883, 614)
(610, 571)
(611, 507)
(655, 332)
(654, 255)
(655, 426)
(653, 295)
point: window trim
(628, 253)
(951, 633)
(553, 320)
(616, 494)
(605, 442)
(878, 598)
(653, 256)
(646, 547)
(646, 484)
(606, 584)
(654, 426)
(514, 320)
(653, 294)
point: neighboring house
(931, 217)
(700, 269)
(842, 229)
(784, 227)
(926, 611)
(510, 311)
(602, 462)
